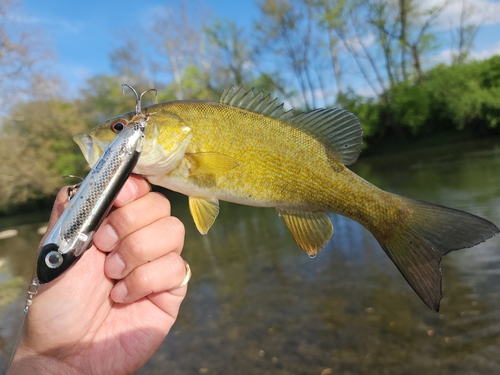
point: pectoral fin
(210, 162)
(204, 212)
(311, 230)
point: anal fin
(311, 230)
(204, 212)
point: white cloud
(479, 12)
(365, 91)
(487, 52)
(443, 57)
(61, 24)
(357, 45)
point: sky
(83, 33)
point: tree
(23, 53)
(236, 63)
(180, 40)
(198, 56)
(465, 33)
(103, 98)
(234, 59)
(36, 148)
(399, 31)
(289, 30)
(331, 16)
(131, 65)
(347, 23)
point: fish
(91, 200)
(247, 149)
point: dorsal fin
(336, 128)
(257, 103)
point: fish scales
(278, 160)
(246, 149)
(291, 168)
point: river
(258, 305)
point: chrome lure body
(72, 234)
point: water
(258, 305)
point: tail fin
(432, 232)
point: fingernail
(115, 266)
(128, 192)
(119, 292)
(109, 240)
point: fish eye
(118, 125)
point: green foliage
(195, 84)
(410, 106)
(463, 97)
(368, 111)
(103, 98)
(469, 94)
(36, 148)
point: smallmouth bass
(247, 149)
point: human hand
(112, 309)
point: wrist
(27, 362)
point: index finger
(135, 187)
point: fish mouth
(91, 150)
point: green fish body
(246, 149)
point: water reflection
(257, 304)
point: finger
(134, 188)
(165, 273)
(169, 301)
(145, 245)
(130, 218)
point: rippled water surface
(258, 305)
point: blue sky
(84, 32)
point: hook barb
(138, 97)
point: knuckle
(144, 279)
(161, 202)
(123, 219)
(136, 247)
(177, 264)
(176, 226)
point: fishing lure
(72, 234)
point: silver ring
(188, 276)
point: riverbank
(36, 216)
(434, 143)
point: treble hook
(71, 191)
(138, 97)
